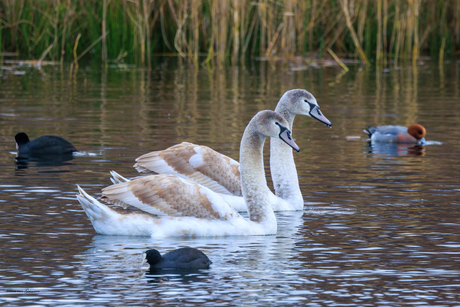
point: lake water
(380, 227)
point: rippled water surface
(380, 226)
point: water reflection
(375, 231)
(119, 250)
(394, 149)
(155, 276)
(24, 161)
(244, 260)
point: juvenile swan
(221, 173)
(181, 258)
(168, 205)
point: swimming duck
(414, 134)
(167, 205)
(181, 258)
(221, 173)
(45, 145)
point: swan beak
(285, 135)
(316, 114)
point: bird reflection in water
(396, 149)
(157, 276)
(25, 161)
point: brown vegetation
(215, 32)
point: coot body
(182, 258)
(47, 145)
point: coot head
(21, 139)
(153, 256)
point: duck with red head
(414, 134)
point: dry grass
(229, 31)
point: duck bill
(285, 135)
(316, 114)
(421, 142)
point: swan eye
(312, 105)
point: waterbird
(181, 258)
(44, 146)
(167, 205)
(221, 173)
(414, 134)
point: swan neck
(253, 182)
(282, 166)
(284, 173)
(288, 116)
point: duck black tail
(370, 130)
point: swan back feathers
(167, 195)
(198, 163)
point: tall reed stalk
(228, 30)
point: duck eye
(306, 100)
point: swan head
(301, 102)
(273, 124)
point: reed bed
(229, 31)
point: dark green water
(380, 225)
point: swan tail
(113, 221)
(102, 217)
(117, 178)
(93, 208)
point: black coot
(182, 258)
(47, 145)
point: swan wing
(169, 195)
(198, 163)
